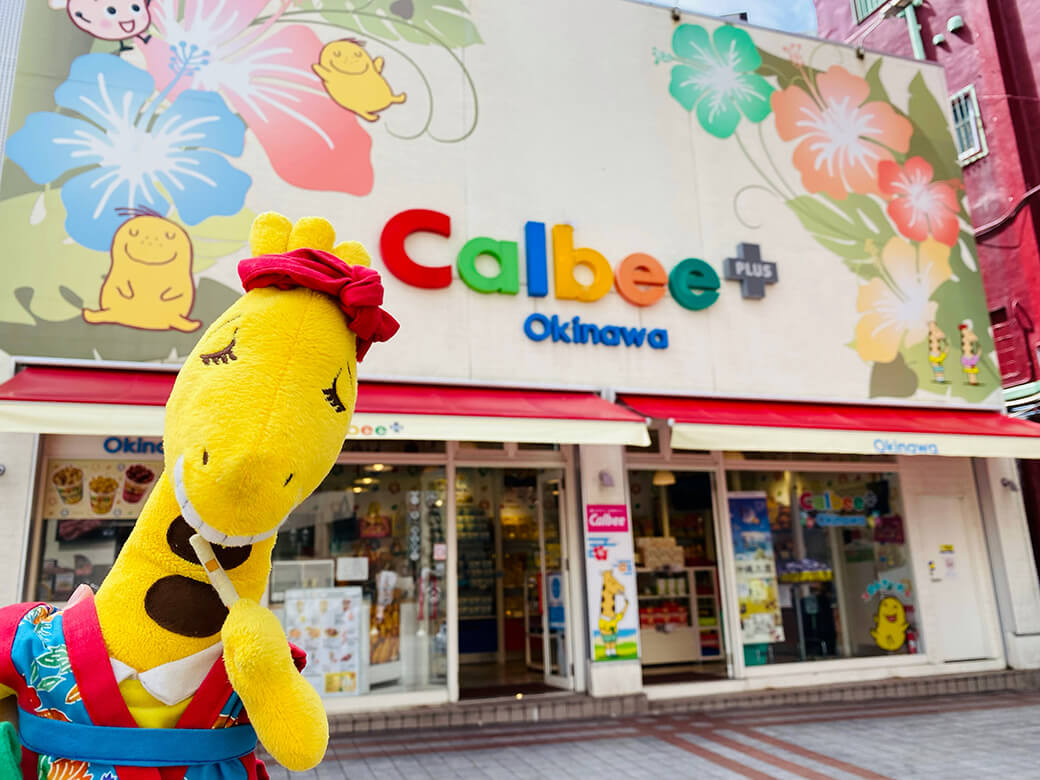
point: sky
(797, 16)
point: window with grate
(864, 8)
(967, 126)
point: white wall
(17, 456)
(1011, 557)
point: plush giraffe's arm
(5, 692)
(284, 708)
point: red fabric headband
(357, 289)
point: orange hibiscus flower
(844, 137)
(896, 313)
(64, 769)
(918, 205)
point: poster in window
(82, 494)
(757, 590)
(325, 623)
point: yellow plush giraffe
(256, 419)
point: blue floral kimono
(74, 724)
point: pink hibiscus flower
(266, 77)
(919, 206)
(843, 136)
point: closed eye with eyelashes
(226, 353)
(331, 394)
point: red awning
(44, 399)
(763, 426)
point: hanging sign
(611, 580)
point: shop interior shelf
(673, 596)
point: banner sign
(760, 620)
(611, 580)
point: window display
(369, 545)
(88, 508)
(823, 567)
(680, 617)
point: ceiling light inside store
(358, 489)
(365, 481)
(377, 467)
(664, 478)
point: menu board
(81, 494)
(326, 624)
(760, 619)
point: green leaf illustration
(893, 380)
(34, 227)
(877, 89)
(931, 139)
(785, 71)
(855, 228)
(423, 22)
(50, 683)
(55, 658)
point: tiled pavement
(966, 737)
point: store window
(358, 579)
(680, 618)
(823, 566)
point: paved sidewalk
(952, 738)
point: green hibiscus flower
(718, 77)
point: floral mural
(129, 179)
(880, 189)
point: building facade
(684, 400)
(991, 74)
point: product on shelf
(660, 552)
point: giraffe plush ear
(353, 253)
(269, 234)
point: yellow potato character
(149, 284)
(354, 80)
(890, 625)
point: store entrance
(512, 583)
(680, 611)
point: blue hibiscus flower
(126, 153)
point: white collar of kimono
(175, 681)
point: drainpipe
(915, 29)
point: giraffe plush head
(256, 419)
(260, 410)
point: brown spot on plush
(180, 532)
(185, 606)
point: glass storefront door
(553, 592)
(512, 581)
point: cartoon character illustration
(149, 284)
(609, 616)
(112, 20)
(938, 346)
(354, 80)
(890, 625)
(970, 352)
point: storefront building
(693, 392)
